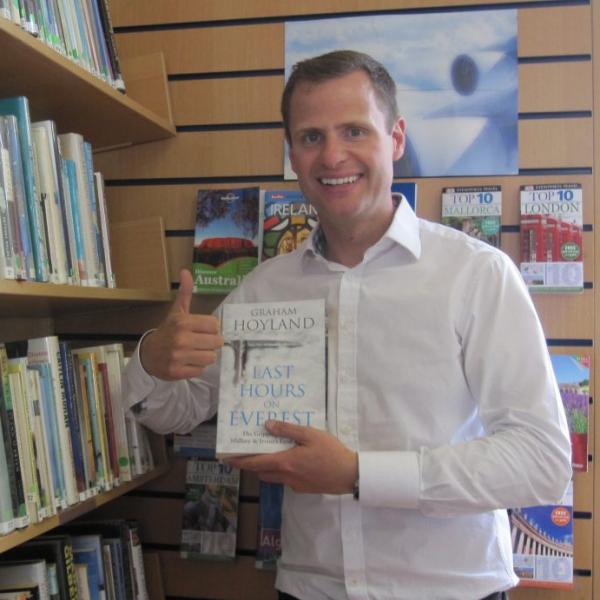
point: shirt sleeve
(169, 406)
(524, 457)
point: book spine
(110, 40)
(73, 197)
(11, 445)
(66, 365)
(8, 125)
(7, 257)
(104, 230)
(109, 422)
(94, 215)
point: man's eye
(311, 138)
(355, 132)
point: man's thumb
(184, 294)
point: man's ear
(399, 138)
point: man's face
(342, 149)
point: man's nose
(333, 152)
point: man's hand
(318, 464)
(184, 344)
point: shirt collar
(404, 230)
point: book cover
(409, 190)
(474, 210)
(210, 511)
(573, 376)
(543, 543)
(226, 238)
(272, 367)
(268, 543)
(552, 237)
(288, 219)
(9, 251)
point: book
(287, 218)
(543, 543)
(200, 442)
(573, 376)
(268, 543)
(474, 210)
(11, 443)
(210, 510)
(55, 550)
(15, 183)
(17, 575)
(409, 190)
(44, 353)
(226, 238)
(272, 367)
(104, 229)
(552, 237)
(9, 251)
(18, 106)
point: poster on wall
(457, 80)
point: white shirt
(439, 376)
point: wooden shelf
(60, 90)
(22, 535)
(31, 299)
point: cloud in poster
(456, 74)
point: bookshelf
(60, 90)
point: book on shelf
(272, 367)
(210, 511)
(18, 106)
(87, 550)
(11, 444)
(81, 31)
(9, 251)
(408, 189)
(552, 237)
(268, 543)
(50, 189)
(573, 376)
(287, 220)
(72, 147)
(24, 575)
(543, 543)
(15, 182)
(226, 238)
(474, 210)
(200, 442)
(55, 550)
(104, 230)
(44, 353)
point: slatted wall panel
(224, 59)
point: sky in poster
(457, 81)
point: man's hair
(337, 64)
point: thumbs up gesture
(184, 344)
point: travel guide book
(573, 377)
(543, 543)
(288, 219)
(476, 211)
(272, 368)
(226, 238)
(552, 237)
(210, 510)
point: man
(442, 407)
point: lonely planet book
(272, 368)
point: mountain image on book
(272, 368)
(226, 238)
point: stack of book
(53, 221)
(80, 30)
(65, 435)
(84, 560)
